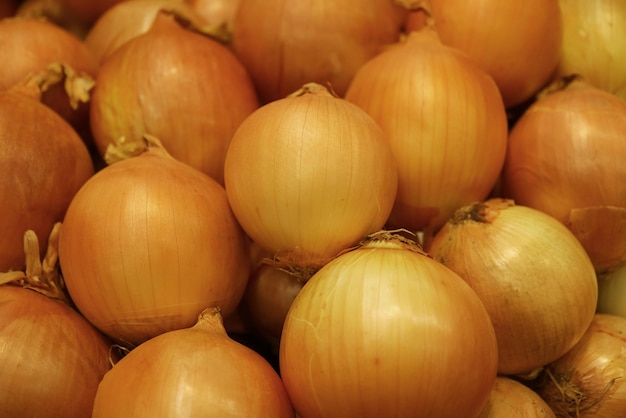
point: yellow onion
(216, 12)
(285, 44)
(512, 399)
(612, 293)
(309, 175)
(125, 21)
(43, 163)
(593, 43)
(193, 372)
(445, 122)
(565, 158)
(590, 379)
(149, 242)
(386, 331)
(531, 273)
(515, 42)
(30, 45)
(55, 11)
(183, 87)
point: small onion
(445, 122)
(285, 44)
(516, 42)
(589, 381)
(386, 331)
(127, 20)
(193, 372)
(512, 399)
(531, 273)
(612, 293)
(309, 175)
(183, 87)
(565, 157)
(147, 243)
(43, 163)
(594, 43)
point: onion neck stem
(211, 320)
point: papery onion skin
(185, 88)
(517, 43)
(533, 276)
(285, 44)
(310, 175)
(193, 372)
(593, 43)
(43, 163)
(512, 399)
(125, 21)
(445, 122)
(384, 330)
(52, 358)
(590, 379)
(147, 243)
(565, 157)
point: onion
(56, 12)
(593, 43)
(43, 163)
(127, 20)
(285, 44)
(185, 88)
(612, 293)
(445, 122)
(193, 372)
(308, 176)
(269, 294)
(216, 12)
(31, 45)
(531, 273)
(512, 399)
(89, 11)
(52, 358)
(517, 43)
(565, 158)
(590, 379)
(147, 243)
(386, 331)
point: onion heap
(193, 372)
(147, 243)
(309, 176)
(565, 157)
(445, 122)
(533, 276)
(385, 330)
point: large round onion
(52, 358)
(285, 44)
(589, 381)
(516, 42)
(566, 158)
(193, 372)
(185, 88)
(386, 331)
(594, 43)
(43, 163)
(445, 122)
(149, 242)
(310, 175)
(531, 273)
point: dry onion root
(590, 380)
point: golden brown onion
(147, 243)
(285, 44)
(565, 157)
(589, 381)
(308, 176)
(386, 331)
(512, 399)
(531, 273)
(193, 372)
(445, 122)
(185, 88)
